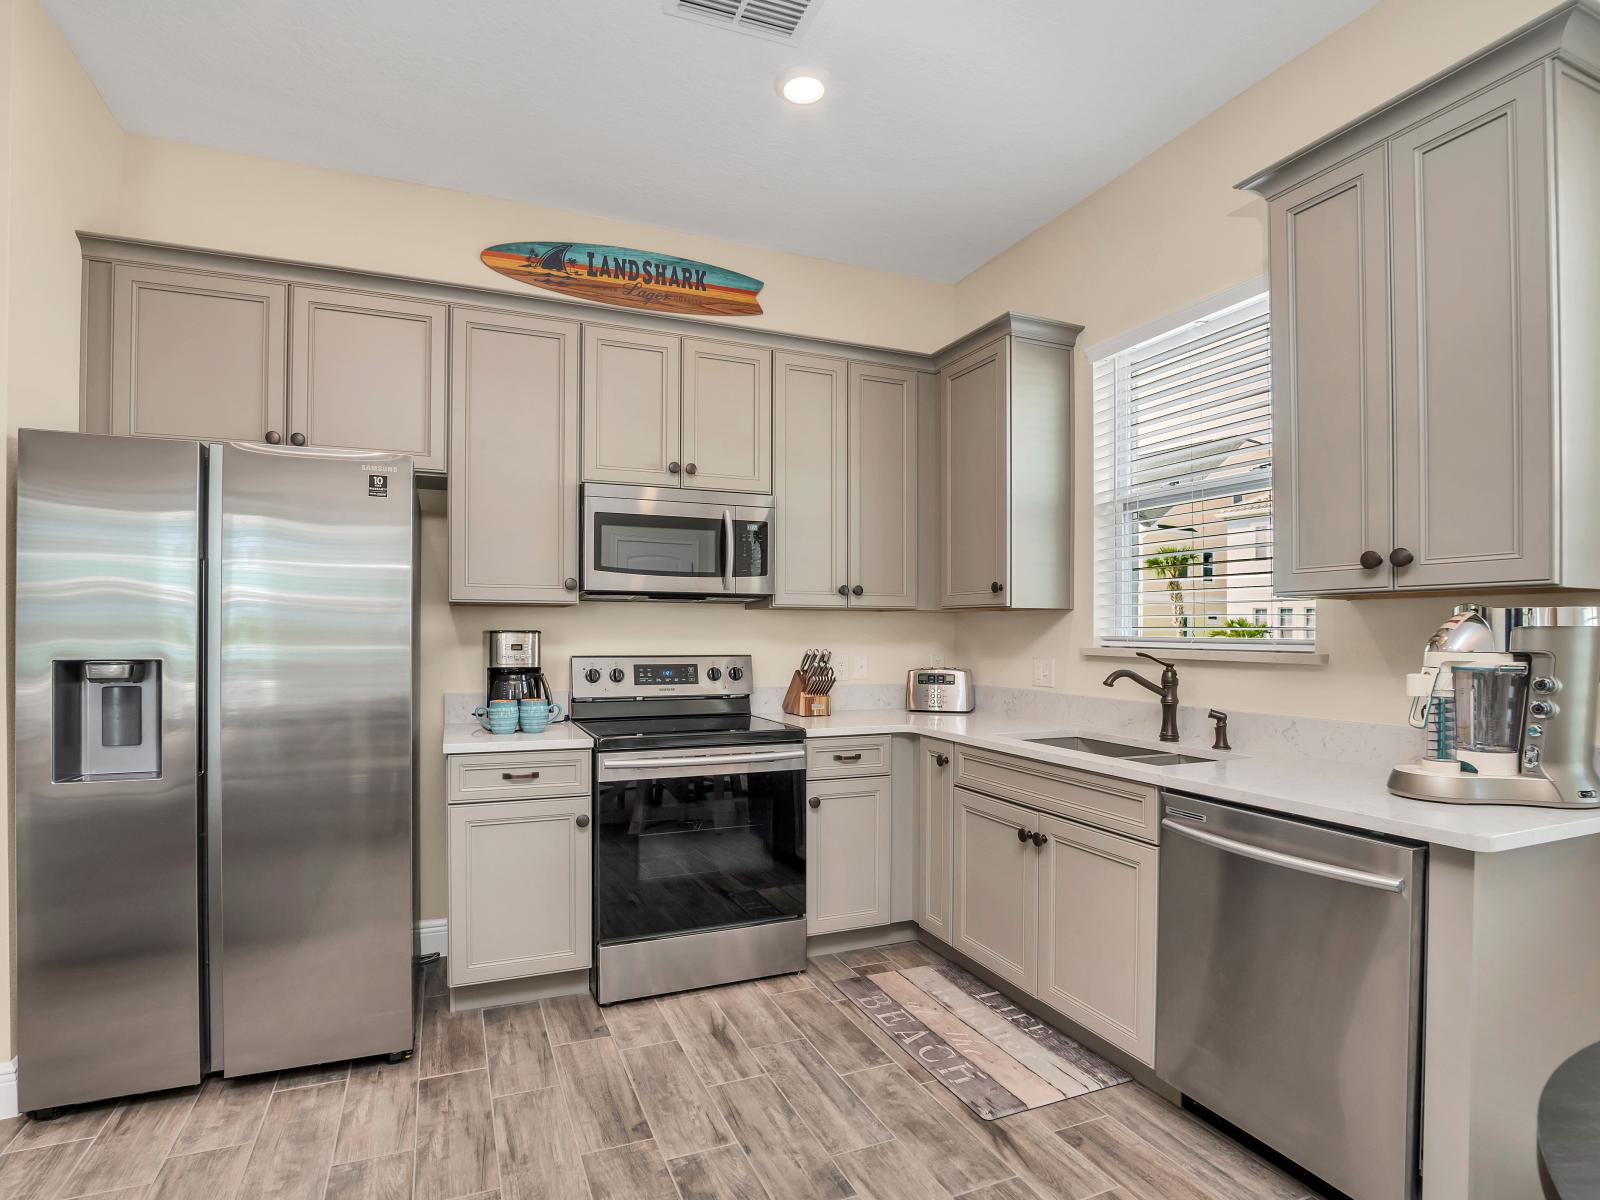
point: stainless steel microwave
(643, 543)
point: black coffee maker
(513, 659)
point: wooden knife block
(798, 702)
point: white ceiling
(951, 129)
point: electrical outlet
(860, 671)
(1044, 672)
(936, 659)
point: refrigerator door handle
(211, 778)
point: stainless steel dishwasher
(1289, 987)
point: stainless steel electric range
(699, 810)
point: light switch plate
(861, 667)
(1044, 672)
(936, 659)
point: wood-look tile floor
(778, 1090)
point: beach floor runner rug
(994, 1057)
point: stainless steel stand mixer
(1508, 699)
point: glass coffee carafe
(1489, 715)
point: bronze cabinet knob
(997, 587)
(942, 759)
(1371, 560)
(690, 469)
(1022, 835)
(857, 590)
(582, 820)
(1038, 839)
(815, 802)
(844, 589)
(273, 437)
(673, 468)
(570, 584)
(297, 439)
(1401, 557)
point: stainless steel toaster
(939, 689)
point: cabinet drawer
(1114, 804)
(840, 758)
(527, 776)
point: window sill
(1261, 658)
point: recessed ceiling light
(802, 89)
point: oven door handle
(727, 560)
(1293, 862)
(704, 760)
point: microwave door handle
(727, 557)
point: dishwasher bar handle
(1310, 866)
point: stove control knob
(1546, 685)
(714, 674)
(736, 673)
(1543, 708)
(592, 674)
(1535, 730)
(616, 675)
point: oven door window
(647, 544)
(698, 853)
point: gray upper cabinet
(1436, 382)
(196, 355)
(631, 407)
(811, 415)
(1005, 411)
(367, 372)
(1332, 462)
(727, 417)
(846, 484)
(1473, 408)
(513, 458)
(883, 487)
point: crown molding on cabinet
(1570, 33)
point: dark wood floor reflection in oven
(777, 1090)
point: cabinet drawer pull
(508, 775)
(1022, 834)
(856, 757)
(942, 759)
(582, 820)
(815, 802)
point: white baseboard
(8, 1089)
(432, 937)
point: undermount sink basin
(1139, 754)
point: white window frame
(1116, 588)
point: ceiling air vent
(779, 20)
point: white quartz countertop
(1338, 793)
(472, 738)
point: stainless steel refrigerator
(215, 651)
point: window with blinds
(1183, 491)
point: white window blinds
(1183, 491)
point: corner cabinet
(846, 483)
(1005, 413)
(1456, 227)
(513, 458)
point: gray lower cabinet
(1097, 932)
(935, 801)
(1062, 909)
(519, 879)
(846, 483)
(632, 410)
(194, 354)
(848, 853)
(727, 416)
(1005, 411)
(367, 372)
(996, 902)
(1435, 271)
(513, 458)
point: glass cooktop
(681, 731)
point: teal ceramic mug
(499, 717)
(536, 715)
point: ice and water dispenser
(107, 719)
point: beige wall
(1169, 232)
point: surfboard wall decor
(629, 278)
